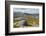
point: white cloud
(26, 10)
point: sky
(26, 10)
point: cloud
(27, 10)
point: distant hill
(24, 14)
(18, 14)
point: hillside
(30, 19)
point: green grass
(30, 21)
